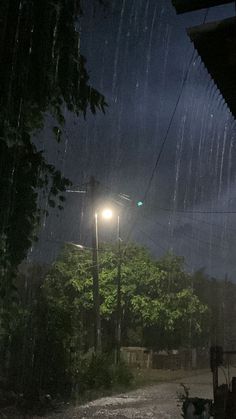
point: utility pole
(118, 309)
(93, 193)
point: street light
(107, 214)
(93, 195)
(96, 294)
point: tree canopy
(154, 294)
(42, 72)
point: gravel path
(154, 402)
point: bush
(122, 374)
(98, 372)
(94, 372)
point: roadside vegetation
(47, 328)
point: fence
(172, 360)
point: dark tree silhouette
(41, 70)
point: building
(216, 45)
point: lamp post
(93, 187)
(107, 214)
(93, 193)
(118, 312)
(96, 294)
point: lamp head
(107, 214)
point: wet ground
(159, 401)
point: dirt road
(154, 402)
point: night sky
(138, 54)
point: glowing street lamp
(107, 214)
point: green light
(139, 203)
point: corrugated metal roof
(216, 45)
(183, 6)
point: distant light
(107, 214)
(79, 246)
(139, 203)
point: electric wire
(195, 211)
(194, 228)
(153, 241)
(215, 233)
(202, 221)
(207, 243)
(200, 249)
(166, 250)
(156, 165)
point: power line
(173, 210)
(170, 122)
(158, 244)
(215, 233)
(156, 165)
(152, 240)
(202, 221)
(156, 222)
(206, 243)
(186, 215)
(197, 239)
(199, 249)
(154, 170)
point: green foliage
(57, 320)
(42, 71)
(122, 374)
(19, 211)
(98, 372)
(154, 295)
(42, 66)
(46, 329)
(95, 372)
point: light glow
(107, 214)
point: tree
(53, 328)
(170, 309)
(219, 295)
(42, 71)
(156, 296)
